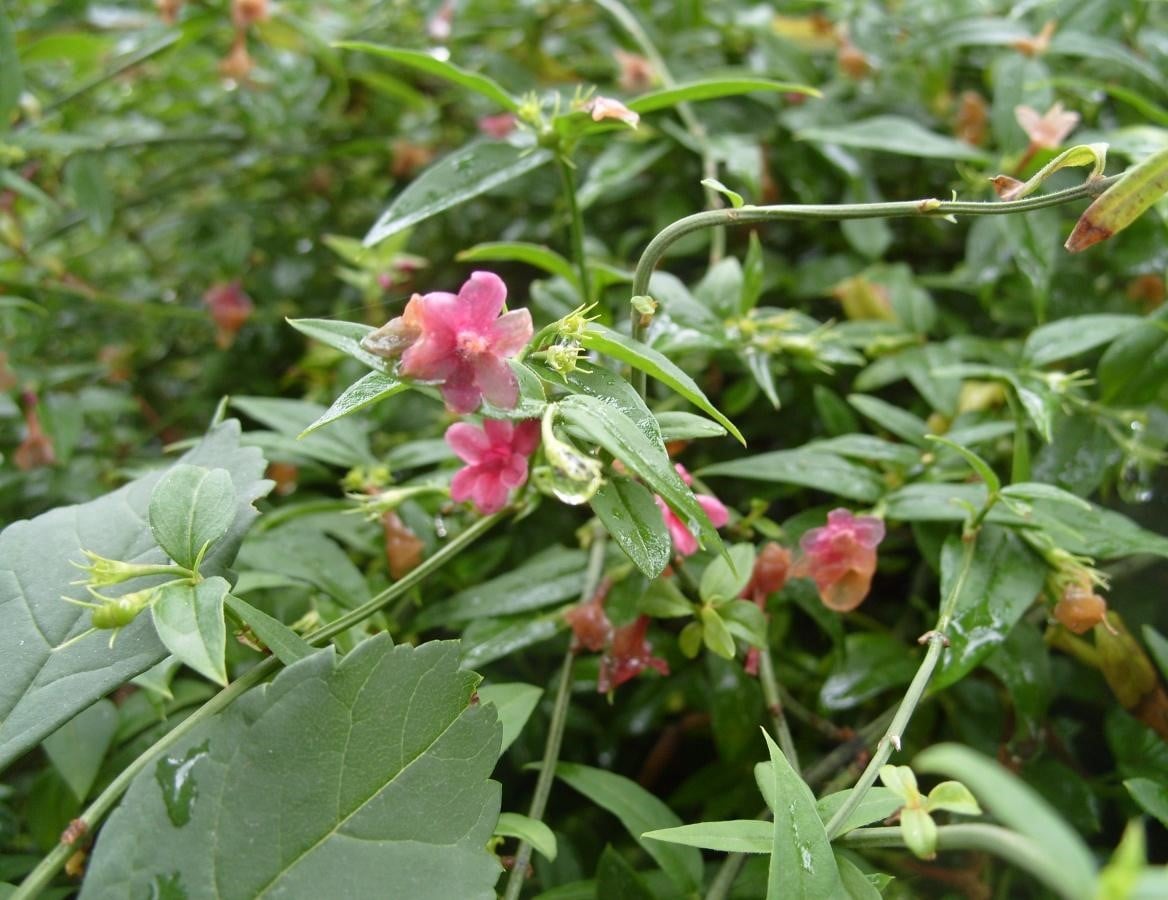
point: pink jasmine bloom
(496, 457)
(684, 541)
(463, 342)
(608, 108)
(628, 656)
(1046, 131)
(841, 557)
(497, 126)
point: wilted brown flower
(1048, 130)
(636, 72)
(237, 64)
(248, 12)
(1037, 45)
(972, 118)
(230, 308)
(403, 548)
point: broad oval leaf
(466, 173)
(643, 357)
(712, 89)
(369, 772)
(431, 65)
(43, 687)
(631, 516)
(191, 508)
(640, 812)
(189, 621)
(78, 747)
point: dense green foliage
(347, 621)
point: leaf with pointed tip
(191, 508)
(44, 687)
(713, 89)
(189, 621)
(285, 644)
(1122, 203)
(424, 62)
(517, 251)
(370, 772)
(632, 518)
(365, 391)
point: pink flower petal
(715, 511)
(482, 297)
(495, 379)
(511, 332)
(462, 485)
(869, 530)
(490, 495)
(468, 442)
(460, 393)
(498, 432)
(514, 472)
(431, 358)
(526, 437)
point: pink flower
(230, 308)
(608, 108)
(496, 455)
(841, 557)
(627, 656)
(1048, 130)
(497, 126)
(463, 342)
(684, 541)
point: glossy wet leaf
(78, 747)
(514, 704)
(191, 508)
(802, 866)
(1122, 203)
(726, 576)
(369, 771)
(343, 336)
(365, 391)
(892, 134)
(806, 467)
(1002, 583)
(643, 357)
(634, 521)
(464, 174)
(683, 426)
(712, 89)
(189, 621)
(871, 665)
(1134, 369)
(431, 65)
(1069, 337)
(44, 688)
(639, 812)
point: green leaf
(631, 516)
(91, 191)
(979, 465)
(528, 829)
(1134, 369)
(1003, 580)
(745, 621)
(43, 688)
(1077, 334)
(190, 509)
(616, 433)
(1018, 806)
(475, 169)
(856, 885)
(367, 390)
(553, 576)
(715, 635)
(901, 781)
(807, 467)
(1158, 647)
(900, 422)
(734, 836)
(640, 812)
(537, 255)
(512, 639)
(78, 747)
(343, 336)
(712, 89)
(683, 426)
(369, 772)
(286, 644)
(893, 134)
(616, 879)
(11, 76)
(919, 832)
(424, 62)
(345, 444)
(952, 796)
(189, 621)
(297, 552)
(802, 865)
(726, 576)
(878, 804)
(643, 357)
(610, 388)
(1152, 797)
(1122, 203)
(872, 664)
(514, 704)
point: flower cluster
(496, 456)
(459, 340)
(841, 558)
(627, 652)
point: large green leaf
(1003, 580)
(712, 89)
(78, 747)
(640, 812)
(43, 687)
(1134, 369)
(892, 134)
(466, 173)
(431, 65)
(366, 777)
(813, 468)
(632, 518)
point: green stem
(551, 750)
(926, 208)
(770, 693)
(40, 877)
(1001, 842)
(629, 23)
(576, 226)
(727, 873)
(891, 741)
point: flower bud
(103, 572)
